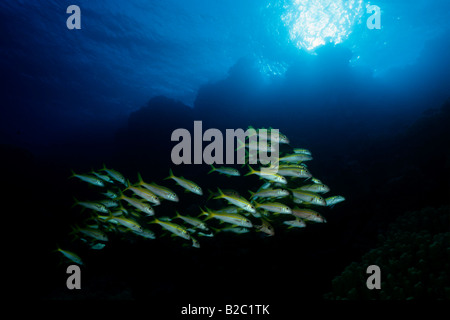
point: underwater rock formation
(414, 258)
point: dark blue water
(371, 105)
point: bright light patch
(270, 69)
(313, 23)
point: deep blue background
(371, 109)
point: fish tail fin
(140, 180)
(110, 216)
(211, 194)
(74, 229)
(58, 248)
(73, 174)
(128, 184)
(216, 230)
(171, 175)
(243, 163)
(241, 144)
(204, 213)
(250, 172)
(120, 195)
(212, 169)
(209, 214)
(75, 202)
(252, 194)
(221, 194)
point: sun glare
(312, 23)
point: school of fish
(287, 198)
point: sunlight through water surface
(312, 23)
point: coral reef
(414, 258)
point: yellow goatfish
(297, 223)
(308, 214)
(268, 176)
(89, 179)
(192, 221)
(237, 201)
(309, 197)
(174, 228)
(316, 187)
(331, 201)
(274, 207)
(144, 207)
(144, 193)
(233, 218)
(302, 151)
(115, 175)
(265, 227)
(188, 185)
(270, 193)
(92, 205)
(71, 256)
(160, 191)
(296, 157)
(225, 170)
(91, 232)
(128, 223)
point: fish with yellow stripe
(127, 223)
(309, 197)
(88, 178)
(276, 207)
(308, 214)
(71, 256)
(144, 207)
(174, 228)
(160, 191)
(225, 170)
(144, 193)
(186, 184)
(116, 175)
(274, 177)
(233, 218)
(192, 221)
(92, 205)
(237, 201)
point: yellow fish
(174, 228)
(233, 218)
(268, 176)
(144, 194)
(128, 223)
(309, 197)
(89, 179)
(160, 191)
(144, 207)
(71, 256)
(225, 170)
(237, 201)
(316, 187)
(115, 175)
(188, 185)
(308, 214)
(274, 207)
(297, 223)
